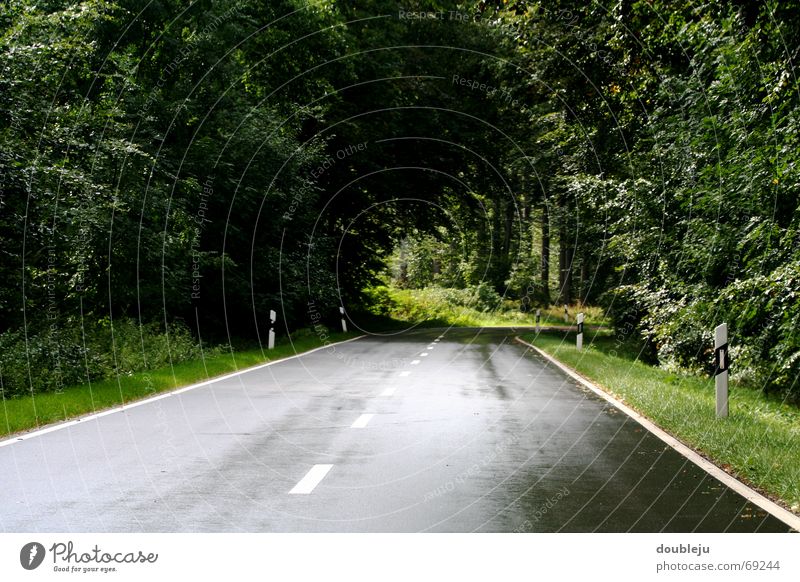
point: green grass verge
(759, 442)
(29, 412)
(431, 307)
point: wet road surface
(435, 430)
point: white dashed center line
(362, 421)
(414, 362)
(388, 391)
(311, 480)
(423, 354)
(404, 374)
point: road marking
(436, 341)
(415, 362)
(311, 480)
(388, 391)
(430, 347)
(362, 421)
(748, 493)
(404, 374)
(169, 394)
(423, 354)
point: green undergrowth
(477, 306)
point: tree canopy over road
(182, 168)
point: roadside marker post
(721, 364)
(579, 338)
(538, 319)
(272, 318)
(344, 323)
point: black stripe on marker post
(722, 360)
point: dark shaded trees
(208, 163)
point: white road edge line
(362, 421)
(92, 416)
(745, 491)
(307, 484)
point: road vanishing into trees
(429, 430)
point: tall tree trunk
(565, 256)
(509, 227)
(545, 254)
(497, 266)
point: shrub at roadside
(51, 359)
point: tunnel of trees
(181, 169)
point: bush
(460, 306)
(47, 361)
(484, 297)
(54, 358)
(379, 300)
(481, 297)
(319, 332)
(145, 347)
(762, 313)
(683, 335)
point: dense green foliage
(477, 306)
(691, 188)
(53, 359)
(145, 169)
(192, 166)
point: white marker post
(272, 318)
(579, 339)
(538, 319)
(721, 364)
(344, 323)
(566, 314)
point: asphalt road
(408, 432)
